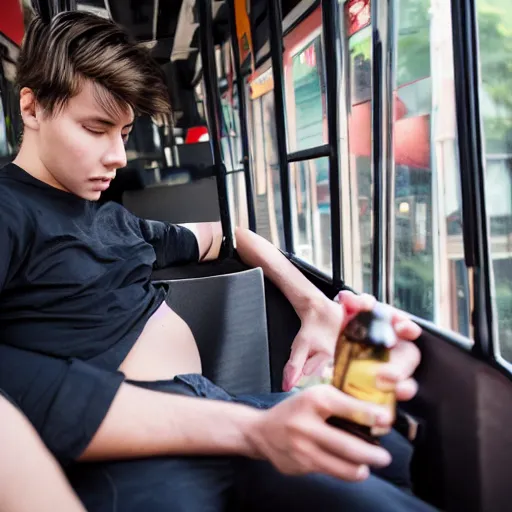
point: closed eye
(96, 132)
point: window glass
(495, 38)
(265, 164)
(311, 212)
(359, 166)
(305, 88)
(11, 126)
(231, 138)
(430, 277)
(4, 148)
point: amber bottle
(362, 348)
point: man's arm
(84, 413)
(209, 239)
(292, 435)
(321, 318)
(255, 251)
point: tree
(495, 36)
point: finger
(406, 329)
(316, 363)
(405, 359)
(354, 304)
(330, 401)
(350, 448)
(406, 390)
(293, 368)
(328, 464)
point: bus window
(231, 138)
(306, 117)
(356, 15)
(495, 38)
(305, 85)
(430, 276)
(4, 146)
(311, 212)
(267, 180)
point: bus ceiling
(171, 27)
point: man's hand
(315, 344)
(295, 437)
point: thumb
(294, 366)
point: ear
(29, 109)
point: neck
(30, 162)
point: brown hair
(57, 57)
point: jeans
(218, 484)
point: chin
(89, 195)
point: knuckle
(351, 474)
(293, 426)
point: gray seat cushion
(227, 316)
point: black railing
(213, 115)
(378, 265)
(472, 170)
(333, 59)
(310, 153)
(276, 51)
(242, 106)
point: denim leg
(163, 484)
(160, 484)
(259, 486)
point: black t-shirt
(75, 281)
(74, 274)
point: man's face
(81, 146)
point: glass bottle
(362, 348)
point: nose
(115, 157)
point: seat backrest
(196, 201)
(227, 316)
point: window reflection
(430, 276)
(305, 91)
(495, 37)
(359, 139)
(311, 206)
(267, 181)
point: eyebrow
(108, 122)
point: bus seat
(189, 202)
(227, 316)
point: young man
(104, 369)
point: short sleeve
(65, 400)
(173, 244)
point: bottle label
(356, 372)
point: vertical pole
(276, 51)
(333, 60)
(242, 105)
(213, 115)
(382, 146)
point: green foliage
(414, 285)
(495, 36)
(413, 58)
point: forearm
(255, 251)
(145, 423)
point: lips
(100, 184)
